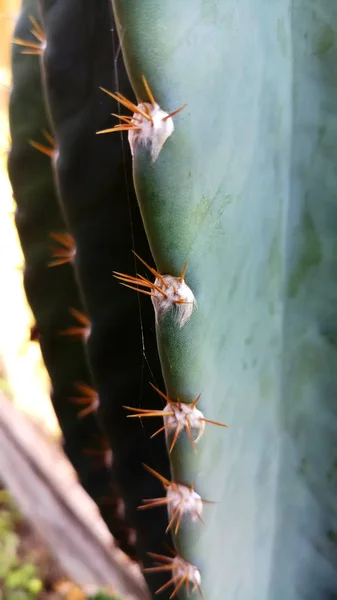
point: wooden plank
(46, 490)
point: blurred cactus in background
(49, 278)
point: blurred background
(22, 373)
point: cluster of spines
(64, 250)
(142, 110)
(33, 47)
(179, 498)
(183, 573)
(149, 125)
(179, 416)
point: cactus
(232, 141)
(241, 187)
(96, 191)
(49, 277)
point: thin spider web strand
(116, 53)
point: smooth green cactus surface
(245, 191)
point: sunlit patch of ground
(21, 365)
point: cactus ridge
(41, 224)
(180, 499)
(149, 125)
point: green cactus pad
(245, 191)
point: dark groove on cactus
(96, 190)
(50, 291)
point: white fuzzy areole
(72, 253)
(120, 508)
(183, 498)
(86, 333)
(181, 568)
(186, 416)
(108, 458)
(153, 134)
(95, 403)
(175, 291)
(55, 157)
